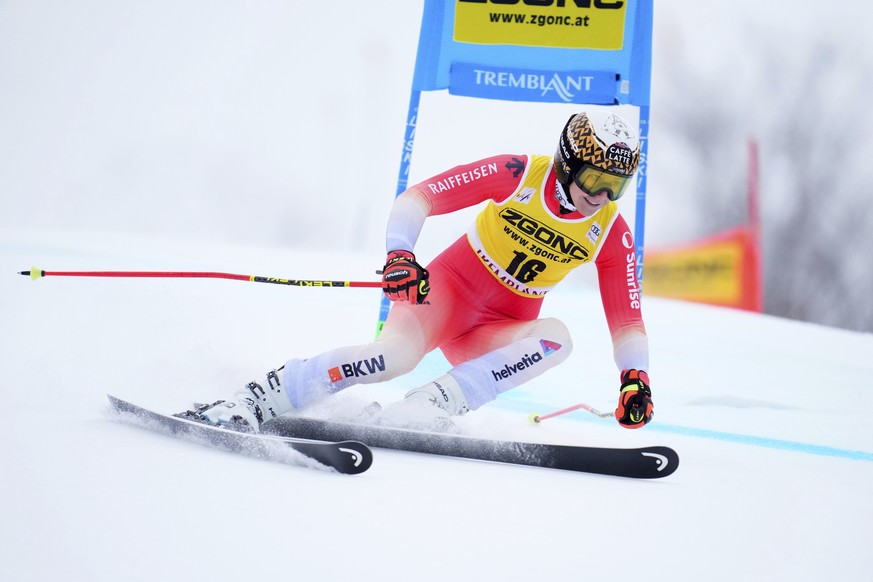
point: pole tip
(34, 273)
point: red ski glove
(403, 279)
(635, 407)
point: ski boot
(248, 409)
(429, 407)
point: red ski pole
(35, 274)
(538, 418)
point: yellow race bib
(525, 245)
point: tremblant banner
(596, 52)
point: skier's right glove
(403, 279)
(635, 407)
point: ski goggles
(593, 181)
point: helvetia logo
(549, 348)
(509, 370)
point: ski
(345, 456)
(639, 463)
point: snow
(763, 412)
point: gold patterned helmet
(599, 151)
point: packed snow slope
(768, 417)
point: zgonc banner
(581, 25)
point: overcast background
(276, 122)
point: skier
(479, 300)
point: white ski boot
(248, 408)
(429, 407)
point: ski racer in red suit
(480, 299)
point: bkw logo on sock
(359, 368)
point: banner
(512, 84)
(577, 25)
(465, 46)
(722, 270)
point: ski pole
(35, 273)
(538, 418)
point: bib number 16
(523, 269)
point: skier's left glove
(403, 279)
(635, 407)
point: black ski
(640, 463)
(346, 456)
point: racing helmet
(599, 151)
